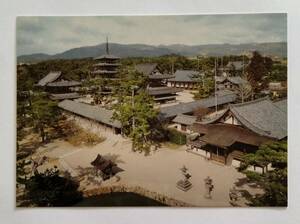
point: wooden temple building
(232, 83)
(186, 79)
(167, 114)
(233, 68)
(240, 129)
(57, 87)
(157, 87)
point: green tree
(257, 71)
(135, 110)
(205, 87)
(44, 113)
(136, 115)
(278, 73)
(50, 189)
(273, 182)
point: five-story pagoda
(105, 72)
(106, 65)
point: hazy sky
(57, 34)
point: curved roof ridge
(248, 124)
(216, 118)
(250, 102)
(262, 116)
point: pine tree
(273, 182)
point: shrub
(176, 137)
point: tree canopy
(135, 110)
(273, 182)
(50, 189)
(257, 71)
(44, 113)
(205, 88)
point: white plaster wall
(92, 126)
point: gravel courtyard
(157, 172)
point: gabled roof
(185, 119)
(146, 68)
(238, 65)
(225, 135)
(213, 117)
(96, 113)
(262, 117)
(237, 80)
(154, 91)
(51, 77)
(184, 108)
(187, 76)
(158, 75)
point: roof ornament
(107, 49)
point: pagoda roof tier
(104, 72)
(107, 56)
(107, 64)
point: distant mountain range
(141, 50)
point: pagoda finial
(107, 49)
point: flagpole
(216, 99)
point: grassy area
(77, 136)
(171, 145)
(86, 138)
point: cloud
(57, 34)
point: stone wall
(138, 190)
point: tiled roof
(263, 117)
(184, 108)
(51, 77)
(282, 105)
(96, 113)
(234, 79)
(237, 80)
(158, 75)
(153, 91)
(185, 119)
(225, 135)
(186, 76)
(106, 56)
(146, 68)
(238, 65)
